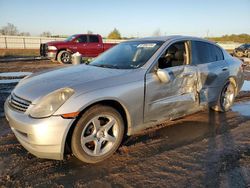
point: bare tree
(46, 34)
(24, 34)
(9, 29)
(89, 32)
(157, 33)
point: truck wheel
(64, 57)
(226, 98)
(97, 134)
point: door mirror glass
(163, 76)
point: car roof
(171, 37)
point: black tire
(87, 137)
(225, 102)
(64, 57)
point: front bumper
(44, 138)
(51, 54)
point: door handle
(188, 74)
(224, 68)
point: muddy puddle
(243, 108)
(9, 75)
(246, 86)
(12, 77)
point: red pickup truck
(89, 45)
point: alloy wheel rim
(228, 96)
(239, 54)
(99, 135)
(65, 57)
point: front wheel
(226, 98)
(97, 134)
(64, 57)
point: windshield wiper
(107, 66)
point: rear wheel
(98, 134)
(226, 98)
(64, 57)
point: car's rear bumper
(44, 138)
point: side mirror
(163, 76)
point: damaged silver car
(134, 85)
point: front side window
(175, 55)
(82, 39)
(127, 55)
(70, 38)
(203, 52)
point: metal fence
(25, 42)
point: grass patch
(19, 52)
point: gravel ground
(207, 149)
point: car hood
(81, 78)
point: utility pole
(207, 33)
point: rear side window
(203, 52)
(218, 54)
(93, 39)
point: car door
(176, 97)
(81, 44)
(213, 70)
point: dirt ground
(207, 149)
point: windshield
(128, 55)
(70, 38)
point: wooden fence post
(5, 40)
(24, 45)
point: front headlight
(52, 48)
(50, 103)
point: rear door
(212, 70)
(178, 96)
(94, 46)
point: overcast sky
(131, 17)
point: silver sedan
(134, 85)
